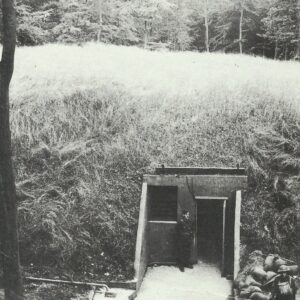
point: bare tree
(206, 25)
(298, 20)
(146, 31)
(99, 8)
(8, 211)
(241, 26)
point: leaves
(269, 26)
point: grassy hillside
(88, 121)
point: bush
(275, 175)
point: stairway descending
(204, 281)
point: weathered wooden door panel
(162, 241)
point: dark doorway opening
(210, 231)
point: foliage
(274, 155)
(269, 28)
(35, 21)
(53, 292)
(281, 27)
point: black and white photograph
(150, 149)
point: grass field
(88, 121)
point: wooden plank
(210, 198)
(237, 224)
(162, 242)
(163, 222)
(109, 284)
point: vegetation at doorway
(88, 121)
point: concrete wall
(156, 239)
(237, 226)
(190, 186)
(200, 185)
(229, 235)
(141, 250)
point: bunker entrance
(210, 231)
(212, 196)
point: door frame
(237, 226)
(213, 198)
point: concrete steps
(168, 283)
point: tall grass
(87, 122)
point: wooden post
(223, 239)
(237, 224)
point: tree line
(261, 27)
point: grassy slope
(87, 122)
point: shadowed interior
(210, 231)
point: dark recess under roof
(199, 171)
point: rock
(242, 284)
(270, 275)
(259, 273)
(260, 296)
(297, 283)
(249, 290)
(251, 281)
(278, 261)
(239, 282)
(293, 270)
(269, 263)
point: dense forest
(260, 27)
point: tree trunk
(100, 20)
(298, 220)
(206, 26)
(286, 52)
(241, 29)
(178, 25)
(276, 50)
(13, 286)
(146, 35)
(100, 28)
(298, 20)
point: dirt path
(168, 283)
